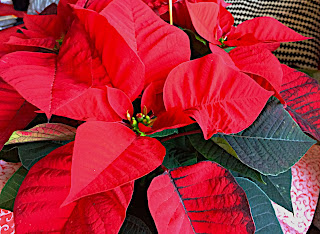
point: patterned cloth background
(303, 16)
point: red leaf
(152, 98)
(302, 94)
(202, 198)
(160, 46)
(15, 112)
(37, 206)
(224, 55)
(114, 62)
(47, 43)
(204, 16)
(97, 5)
(93, 104)
(120, 102)
(100, 213)
(262, 29)
(261, 65)
(49, 26)
(125, 157)
(4, 38)
(53, 72)
(173, 118)
(223, 100)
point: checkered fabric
(303, 16)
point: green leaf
(263, 214)
(229, 49)
(199, 46)
(273, 143)
(224, 145)
(9, 154)
(10, 190)
(278, 189)
(214, 152)
(179, 152)
(43, 132)
(164, 133)
(134, 225)
(32, 152)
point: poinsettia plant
(124, 122)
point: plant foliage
(168, 109)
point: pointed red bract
(15, 112)
(5, 37)
(120, 102)
(101, 57)
(114, 62)
(160, 46)
(262, 29)
(100, 213)
(302, 94)
(152, 98)
(125, 157)
(37, 205)
(261, 65)
(92, 104)
(173, 118)
(224, 55)
(204, 16)
(52, 73)
(202, 198)
(218, 97)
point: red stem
(180, 134)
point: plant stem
(170, 12)
(180, 134)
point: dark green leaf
(214, 152)
(10, 190)
(278, 189)
(199, 46)
(164, 133)
(134, 225)
(179, 152)
(30, 153)
(273, 143)
(263, 214)
(9, 154)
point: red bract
(202, 198)
(102, 58)
(160, 46)
(223, 100)
(258, 63)
(262, 30)
(181, 14)
(15, 113)
(44, 30)
(302, 94)
(210, 20)
(113, 155)
(250, 32)
(37, 205)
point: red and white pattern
(6, 217)
(6, 222)
(304, 194)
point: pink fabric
(304, 194)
